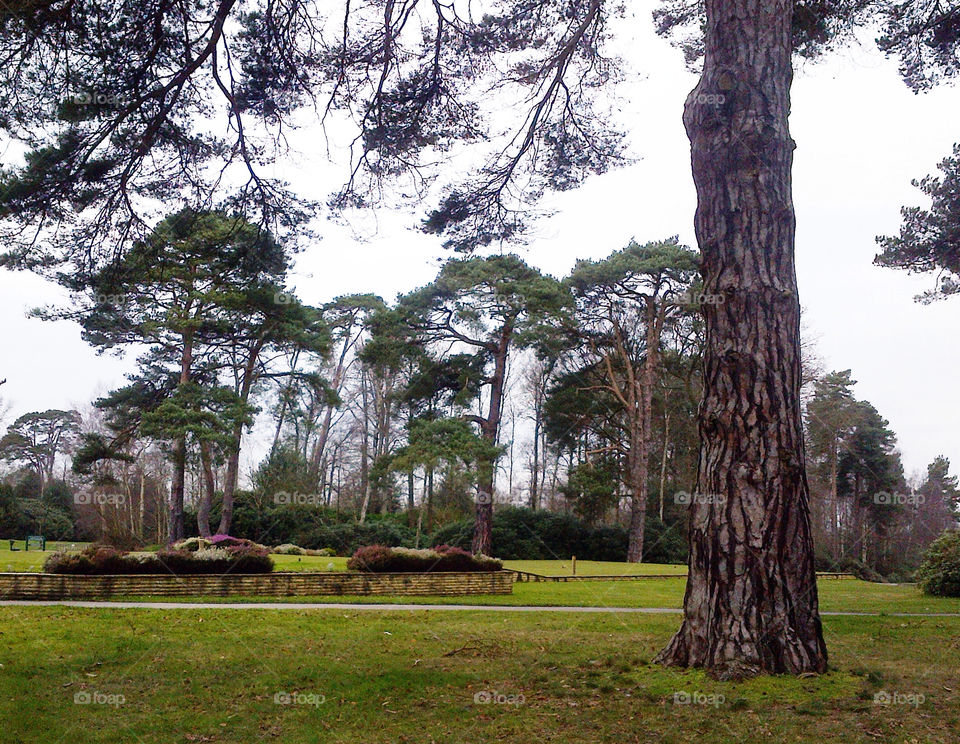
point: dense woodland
(493, 386)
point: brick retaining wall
(280, 584)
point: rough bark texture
(751, 598)
(209, 488)
(489, 431)
(178, 529)
(236, 437)
(641, 427)
(637, 475)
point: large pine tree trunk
(178, 487)
(751, 598)
(490, 431)
(236, 440)
(209, 488)
(177, 529)
(638, 485)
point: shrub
(847, 564)
(64, 562)
(239, 559)
(192, 544)
(524, 534)
(105, 560)
(344, 539)
(289, 549)
(381, 559)
(939, 573)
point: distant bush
(939, 573)
(192, 544)
(847, 564)
(381, 559)
(524, 534)
(344, 539)
(518, 533)
(289, 549)
(238, 559)
(105, 560)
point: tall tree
(203, 292)
(929, 239)
(940, 507)
(751, 600)
(346, 317)
(258, 326)
(38, 438)
(623, 303)
(492, 306)
(832, 414)
(870, 477)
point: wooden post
(573, 560)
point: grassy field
(544, 568)
(30, 560)
(847, 595)
(21, 560)
(340, 676)
(844, 595)
(595, 568)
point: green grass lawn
(595, 568)
(544, 568)
(33, 561)
(209, 676)
(846, 595)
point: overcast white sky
(862, 136)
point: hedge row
(518, 533)
(523, 534)
(383, 559)
(100, 560)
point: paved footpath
(397, 607)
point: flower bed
(443, 558)
(99, 560)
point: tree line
(412, 408)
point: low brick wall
(280, 584)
